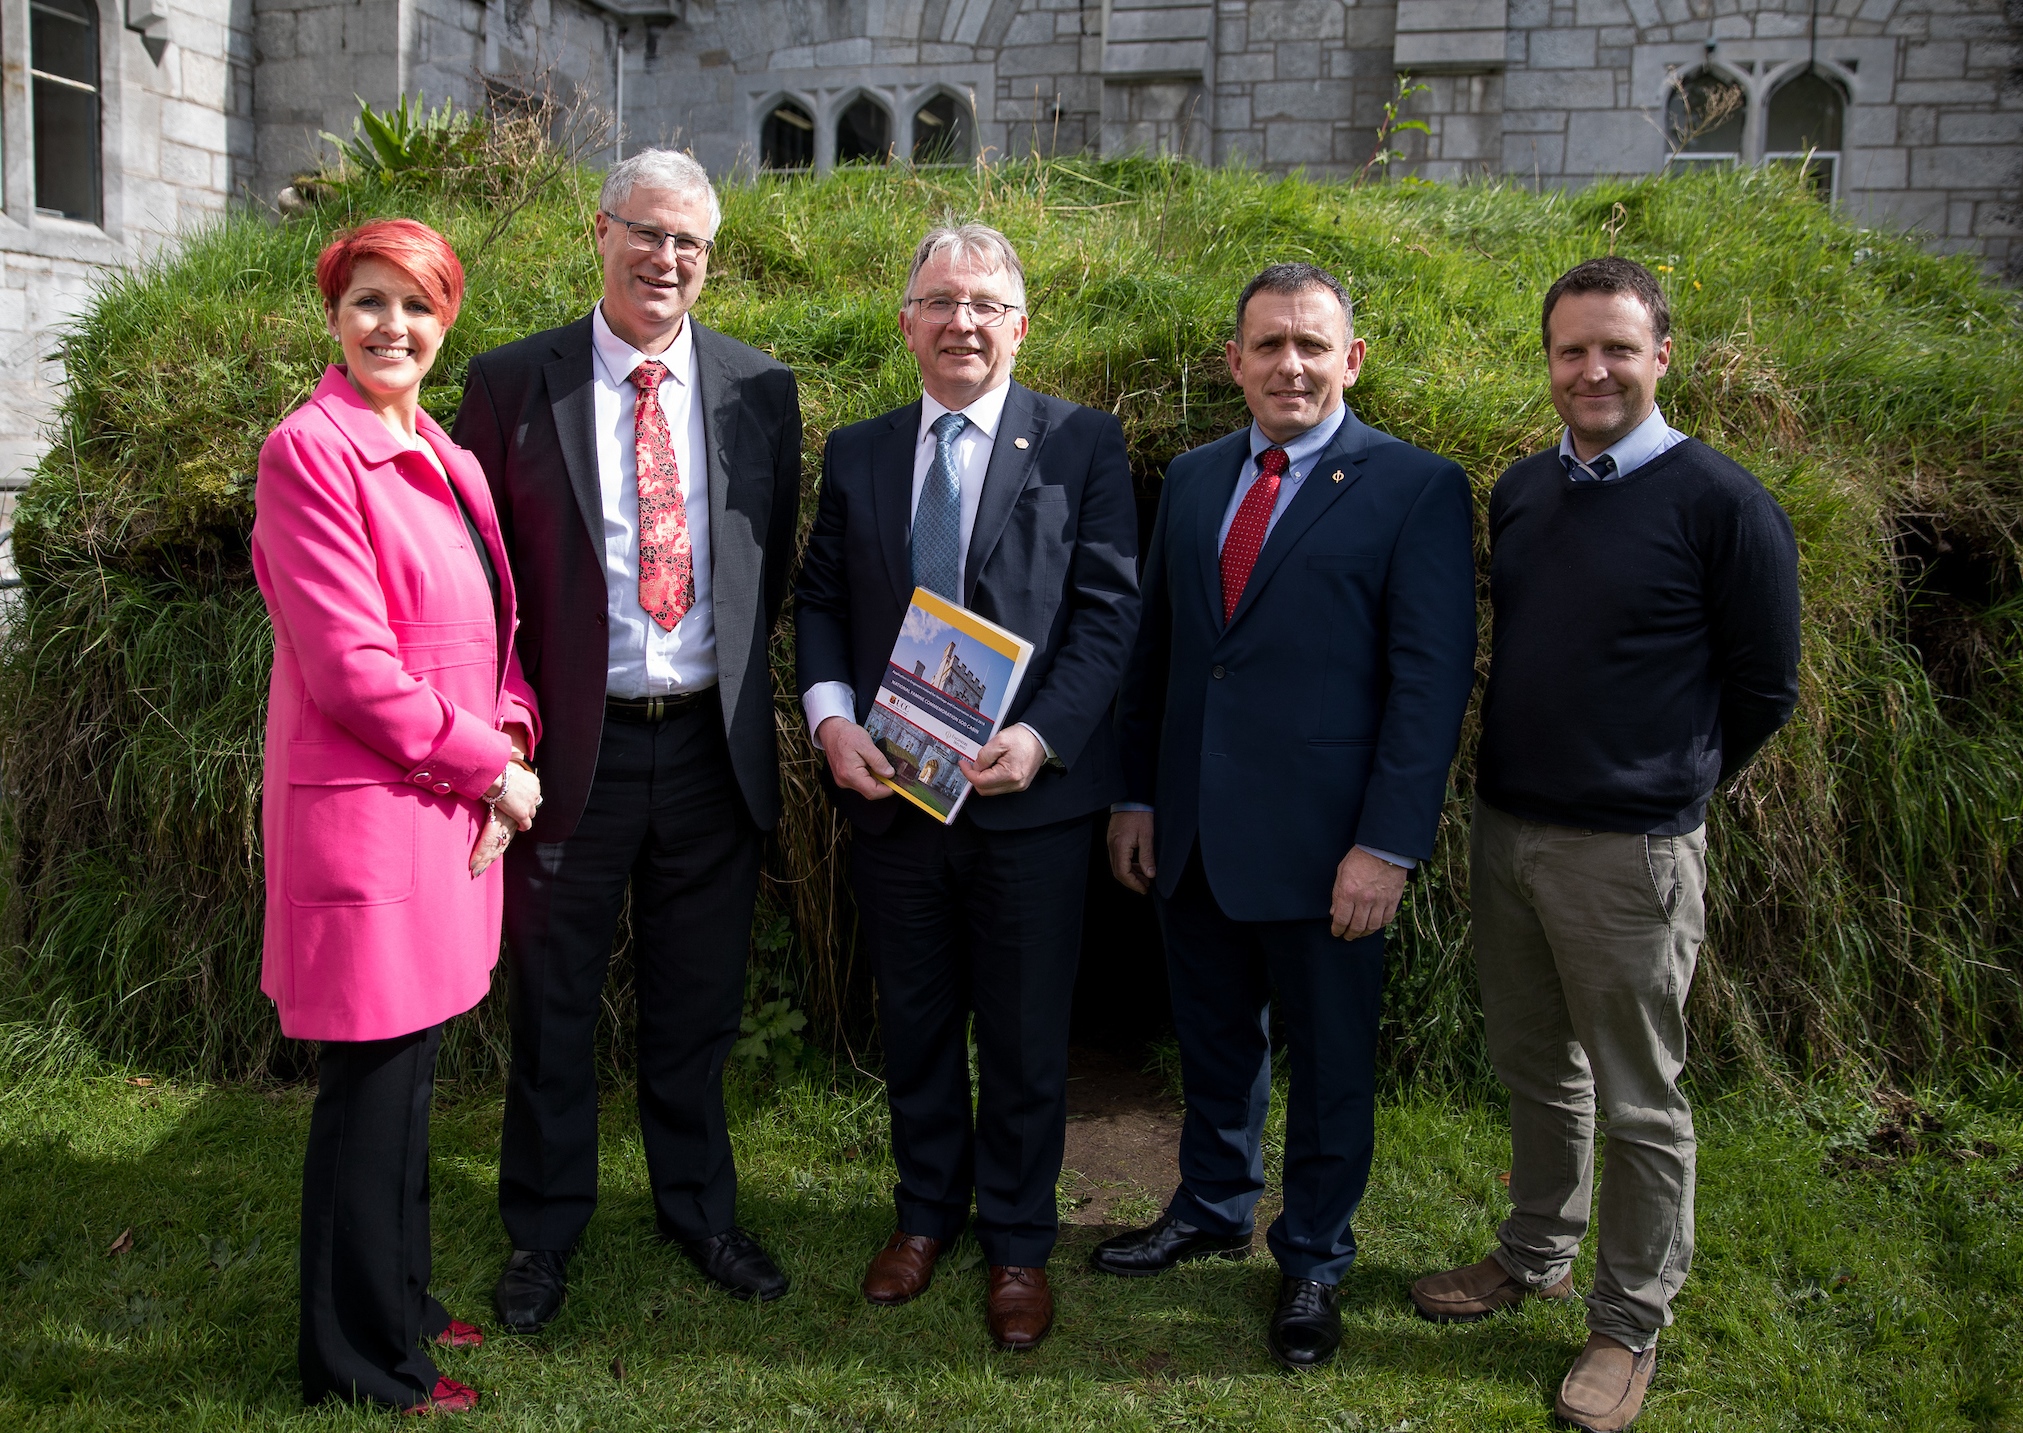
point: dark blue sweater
(1645, 641)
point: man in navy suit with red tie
(1286, 725)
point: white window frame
(1757, 92)
(22, 229)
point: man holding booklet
(977, 543)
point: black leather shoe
(1158, 1247)
(735, 1263)
(530, 1292)
(1306, 1327)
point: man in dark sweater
(1645, 646)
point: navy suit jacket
(1325, 714)
(1053, 557)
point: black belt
(652, 709)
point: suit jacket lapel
(572, 392)
(892, 494)
(1004, 478)
(1318, 491)
(1214, 502)
(734, 556)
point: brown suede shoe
(1021, 1306)
(1604, 1390)
(1475, 1291)
(902, 1269)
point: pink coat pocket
(351, 826)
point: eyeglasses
(647, 239)
(987, 313)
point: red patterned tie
(1246, 533)
(666, 557)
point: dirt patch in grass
(1123, 1156)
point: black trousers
(665, 821)
(366, 1309)
(1224, 974)
(960, 921)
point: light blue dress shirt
(1300, 453)
(1623, 457)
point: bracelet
(504, 785)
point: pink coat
(384, 722)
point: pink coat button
(441, 788)
(421, 778)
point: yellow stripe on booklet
(947, 685)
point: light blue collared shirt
(1300, 453)
(1623, 457)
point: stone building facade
(125, 122)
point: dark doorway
(941, 132)
(1122, 1003)
(787, 138)
(863, 133)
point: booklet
(949, 680)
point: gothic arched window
(863, 132)
(63, 63)
(1704, 118)
(1802, 126)
(941, 132)
(787, 138)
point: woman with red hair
(399, 729)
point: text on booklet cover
(947, 685)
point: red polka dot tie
(666, 556)
(1246, 534)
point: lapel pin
(1020, 443)
(1338, 475)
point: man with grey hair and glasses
(1019, 507)
(647, 476)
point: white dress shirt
(646, 661)
(1301, 454)
(973, 447)
(1628, 453)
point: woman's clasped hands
(510, 805)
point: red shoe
(449, 1397)
(460, 1335)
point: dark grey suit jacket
(529, 414)
(1053, 556)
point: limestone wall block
(1563, 50)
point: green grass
(1884, 1298)
(1865, 874)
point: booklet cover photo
(947, 685)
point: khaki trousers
(1585, 943)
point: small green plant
(771, 1028)
(409, 140)
(1382, 156)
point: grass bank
(1851, 1275)
(1866, 872)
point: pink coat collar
(355, 419)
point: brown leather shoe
(902, 1269)
(1604, 1390)
(1021, 1306)
(1475, 1291)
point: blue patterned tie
(1599, 471)
(937, 518)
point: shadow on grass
(200, 1310)
(1823, 1296)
